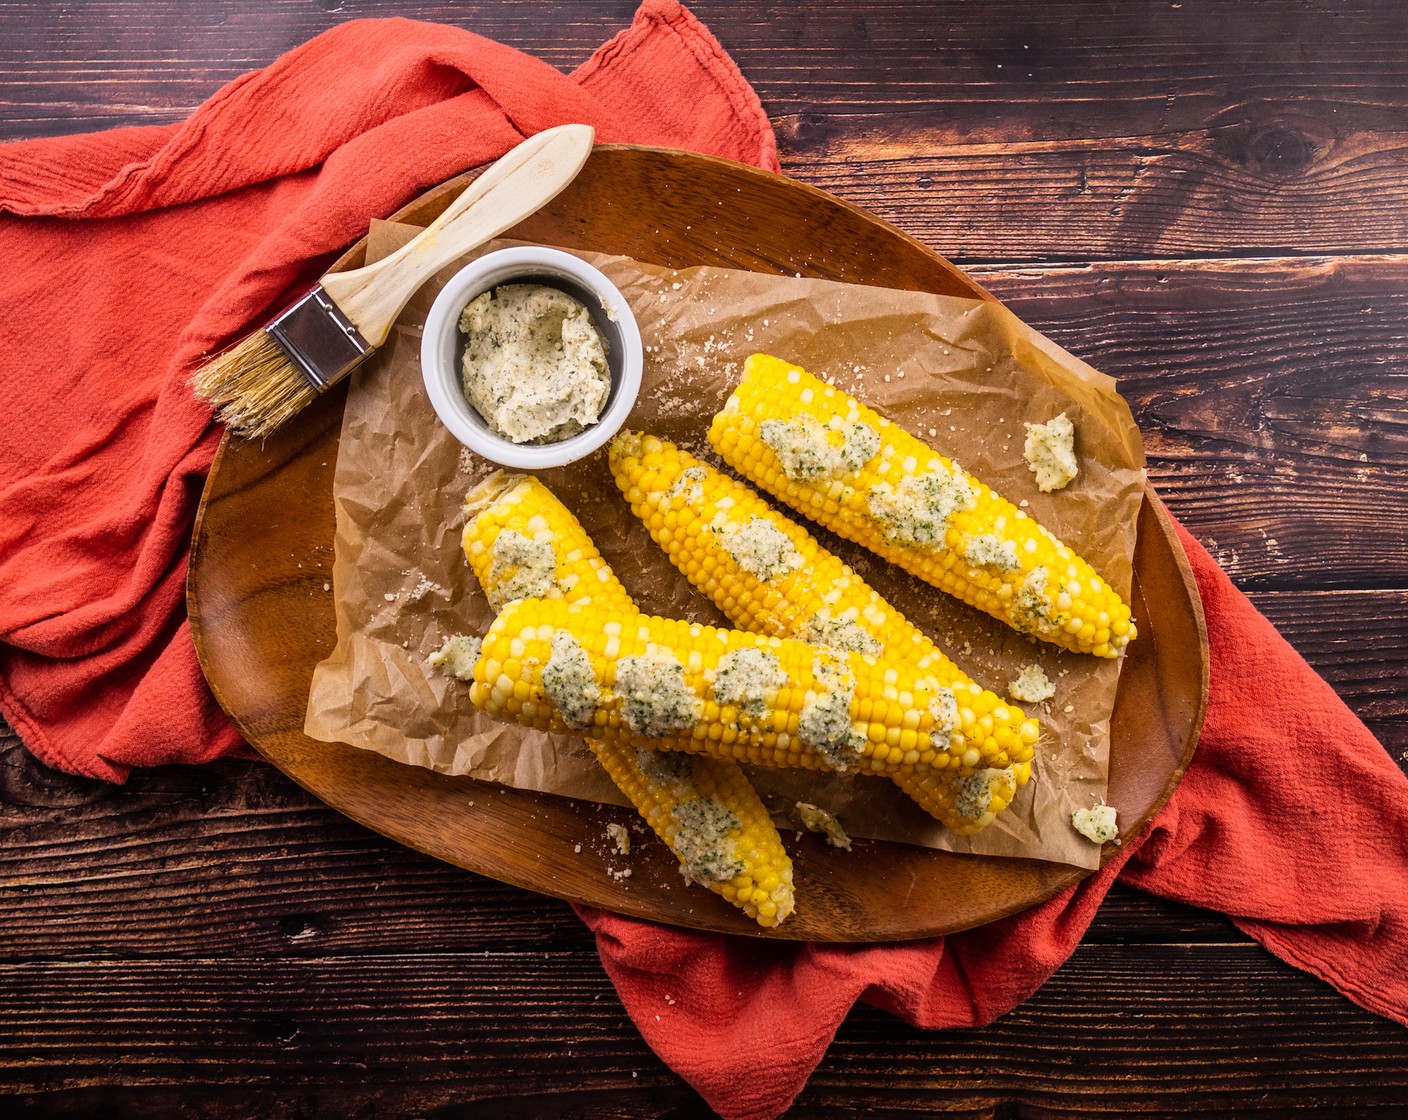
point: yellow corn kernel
(708, 814)
(817, 598)
(521, 541)
(658, 688)
(704, 809)
(846, 467)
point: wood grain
(1279, 130)
(1270, 394)
(429, 1032)
(1358, 641)
(1230, 168)
(171, 1003)
(236, 855)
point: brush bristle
(253, 386)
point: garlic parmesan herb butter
(988, 551)
(1096, 824)
(806, 451)
(534, 363)
(655, 697)
(824, 723)
(816, 819)
(1032, 686)
(706, 842)
(523, 568)
(1050, 452)
(760, 548)
(975, 792)
(570, 683)
(457, 656)
(844, 634)
(747, 679)
(919, 510)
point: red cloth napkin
(134, 252)
(1292, 820)
(142, 249)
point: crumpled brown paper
(962, 374)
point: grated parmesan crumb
(619, 836)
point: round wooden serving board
(263, 550)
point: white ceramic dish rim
(439, 353)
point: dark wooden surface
(1209, 201)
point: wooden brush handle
(519, 183)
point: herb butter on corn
(977, 791)
(655, 699)
(807, 450)
(523, 568)
(844, 634)
(657, 675)
(913, 507)
(758, 548)
(825, 603)
(704, 809)
(569, 682)
(746, 679)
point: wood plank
(1165, 194)
(235, 855)
(1151, 1032)
(232, 854)
(432, 1029)
(129, 63)
(1270, 395)
(1031, 75)
(212, 942)
(986, 138)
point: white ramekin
(442, 347)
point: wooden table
(1208, 201)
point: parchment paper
(961, 374)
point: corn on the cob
(709, 815)
(521, 542)
(727, 693)
(702, 519)
(704, 809)
(846, 467)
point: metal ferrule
(319, 338)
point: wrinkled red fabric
(1246, 833)
(133, 252)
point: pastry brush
(261, 382)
